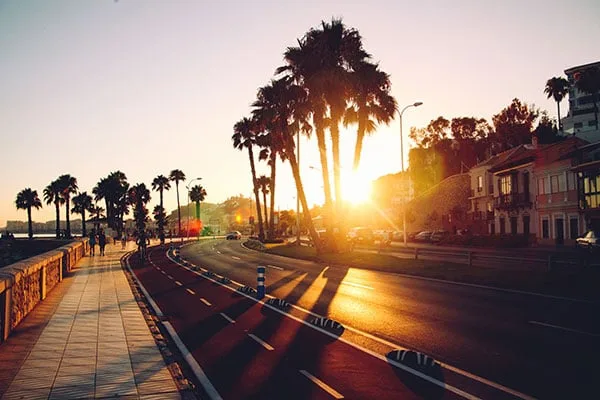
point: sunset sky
(90, 87)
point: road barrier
(260, 282)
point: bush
(255, 245)
(274, 240)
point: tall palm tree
(113, 189)
(263, 183)
(197, 195)
(82, 203)
(588, 81)
(26, 199)
(138, 196)
(244, 137)
(160, 184)
(97, 212)
(372, 103)
(68, 186)
(557, 88)
(161, 218)
(177, 176)
(52, 195)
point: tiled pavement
(96, 343)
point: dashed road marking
(562, 328)
(335, 394)
(190, 291)
(261, 342)
(169, 276)
(178, 283)
(202, 299)
(235, 258)
(357, 285)
(218, 252)
(227, 318)
(275, 267)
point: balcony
(512, 201)
(482, 215)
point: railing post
(416, 253)
(470, 258)
(260, 283)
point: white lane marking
(564, 328)
(275, 267)
(158, 268)
(335, 394)
(218, 252)
(227, 318)
(178, 283)
(202, 299)
(235, 258)
(190, 291)
(261, 342)
(169, 276)
(163, 272)
(357, 285)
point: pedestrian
(93, 243)
(123, 241)
(102, 241)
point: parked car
(424, 236)
(439, 236)
(360, 235)
(590, 240)
(235, 235)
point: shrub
(255, 245)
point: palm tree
(26, 199)
(263, 183)
(588, 81)
(138, 196)
(161, 218)
(370, 93)
(82, 203)
(113, 189)
(68, 186)
(97, 212)
(160, 184)
(52, 195)
(177, 176)
(197, 195)
(557, 88)
(244, 136)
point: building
(580, 120)
(587, 168)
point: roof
(522, 154)
(581, 67)
(498, 158)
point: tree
(557, 88)
(546, 131)
(160, 184)
(161, 219)
(264, 183)
(244, 137)
(197, 195)
(98, 213)
(52, 195)
(26, 200)
(372, 103)
(82, 203)
(514, 124)
(588, 81)
(113, 189)
(138, 196)
(68, 186)
(177, 176)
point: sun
(356, 187)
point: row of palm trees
(587, 81)
(327, 79)
(117, 195)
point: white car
(235, 235)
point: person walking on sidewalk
(92, 243)
(102, 242)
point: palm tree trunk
(29, 223)
(559, 123)
(319, 131)
(266, 214)
(306, 211)
(57, 219)
(360, 134)
(261, 231)
(68, 219)
(273, 175)
(178, 209)
(335, 150)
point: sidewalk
(87, 339)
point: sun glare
(356, 187)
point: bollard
(260, 283)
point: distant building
(580, 120)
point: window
(492, 228)
(513, 225)
(592, 123)
(571, 180)
(526, 222)
(541, 186)
(562, 183)
(480, 183)
(506, 184)
(578, 125)
(545, 229)
(573, 228)
(554, 184)
(591, 191)
(502, 226)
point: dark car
(590, 240)
(235, 235)
(361, 235)
(424, 236)
(439, 236)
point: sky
(91, 87)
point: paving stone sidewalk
(87, 339)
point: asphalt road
(539, 346)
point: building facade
(580, 119)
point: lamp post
(297, 196)
(188, 186)
(415, 104)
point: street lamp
(297, 192)
(188, 205)
(416, 104)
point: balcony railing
(512, 201)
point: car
(590, 240)
(438, 236)
(360, 235)
(235, 235)
(424, 236)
